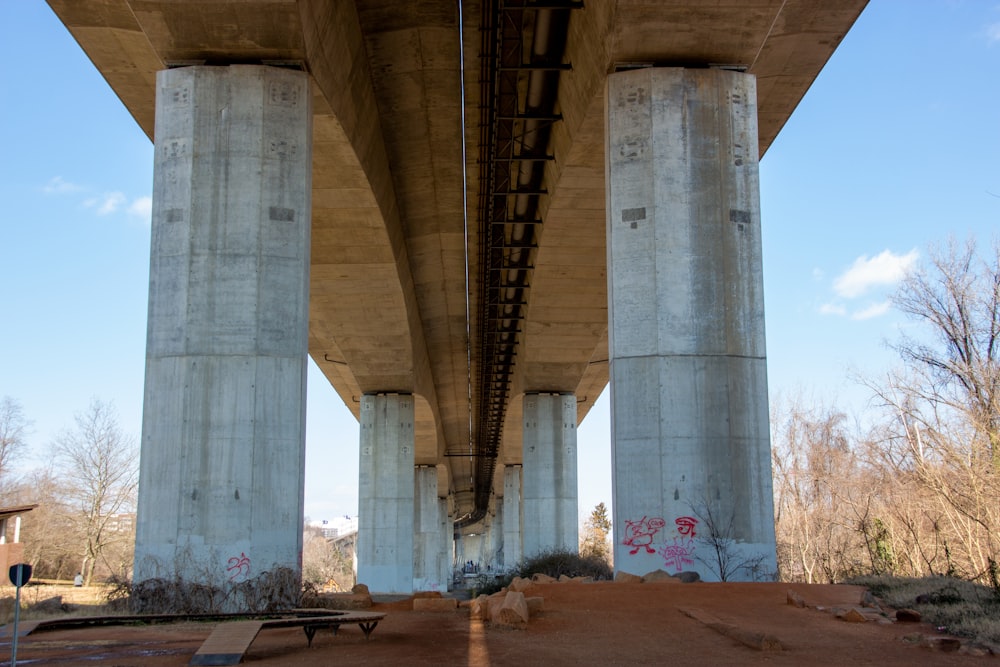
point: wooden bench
(229, 642)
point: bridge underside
(459, 226)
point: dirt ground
(582, 624)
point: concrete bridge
(473, 215)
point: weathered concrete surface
(388, 290)
(549, 491)
(512, 548)
(223, 436)
(431, 552)
(385, 497)
(690, 439)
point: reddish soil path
(583, 624)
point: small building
(12, 551)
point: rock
(519, 585)
(908, 616)
(360, 589)
(853, 616)
(427, 594)
(869, 600)
(479, 609)
(688, 577)
(434, 604)
(535, 604)
(943, 644)
(540, 578)
(493, 604)
(513, 611)
(627, 578)
(658, 577)
(564, 579)
(795, 599)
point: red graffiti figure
(239, 566)
(639, 534)
(685, 525)
(678, 554)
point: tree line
(916, 490)
(85, 492)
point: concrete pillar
(511, 516)
(223, 435)
(428, 545)
(549, 492)
(385, 549)
(446, 533)
(690, 443)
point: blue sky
(893, 149)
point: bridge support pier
(511, 516)
(430, 559)
(690, 441)
(549, 492)
(385, 547)
(223, 434)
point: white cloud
(107, 203)
(874, 310)
(884, 269)
(817, 274)
(142, 207)
(57, 186)
(993, 32)
(832, 309)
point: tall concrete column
(385, 494)
(549, 492)
(690, 443)
(223, 435)
(428, 545)
(512, 552)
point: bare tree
(97, 464)
(13, 429)
(941, 433)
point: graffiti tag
(685, 525)
(239, 566)
(639, 534)
(678, 554)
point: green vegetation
(957, 606)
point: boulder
(479, 609)
(627, 578)
(519, 585)
(795, 599)
(908, 616)
(513, 611)
(659, 577)
(853, 615)
(427, 594)
(540, 578)
(536, 605)
(360, 589)
(688, 577)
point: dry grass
(962, 608)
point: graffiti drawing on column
(239, 566)
(639, 534)
(685, 525)
(678, 554)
